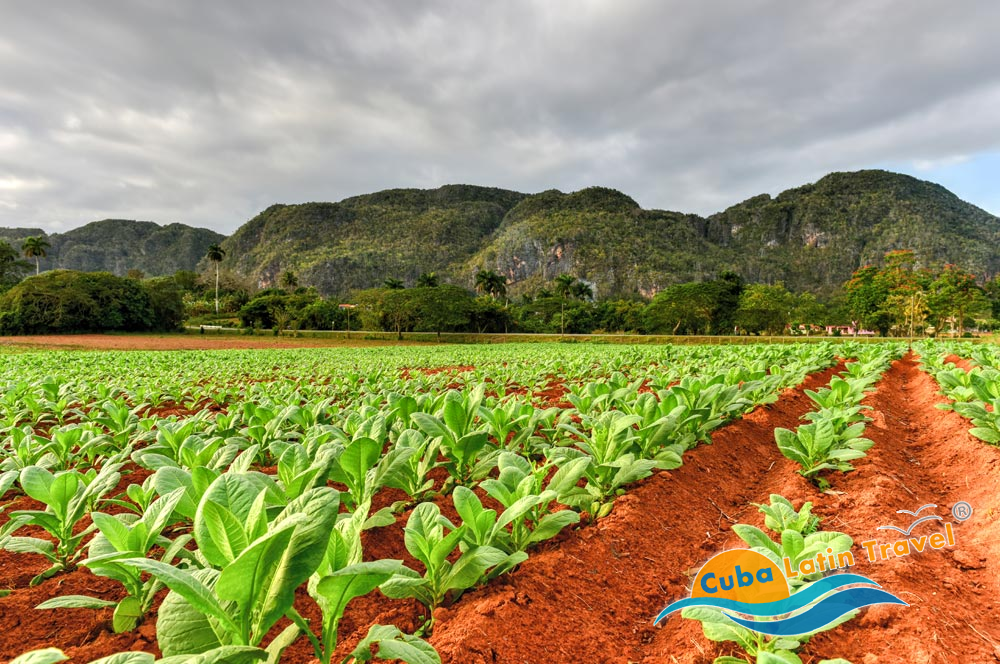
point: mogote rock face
(810, 238)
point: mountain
(119, 245)
(359, 242)
(811, 237)
(814, 237)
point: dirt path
(193, 341)
(592, 596)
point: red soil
(960, 362)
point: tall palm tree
(215, 254)
(35, 247)
(392, 283)
(564, 286)
(483, 280)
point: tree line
(897, 298)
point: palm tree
(35, 247)
(215, 254)
(393, 283)
(583, 290)
(564, 286)
(428, 280)
(483, 280)
(289, 280)
(488, 281)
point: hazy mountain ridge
(120, 245)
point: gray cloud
(205, 113)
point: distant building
(848, 331)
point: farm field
(503, 503)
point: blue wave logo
(809, 610)
(749, 589)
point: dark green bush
(63, 301)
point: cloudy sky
(207, 112)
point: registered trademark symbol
(961, 511)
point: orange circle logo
(742, 575)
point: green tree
(765, 308)
(866, 295)
(582, 290)
(491, 283)
(730, 287)
(215, 254)
(399, 310)
(393, 283)
(289, 280)
(167, 302)
(441, 308)
(186, 280)
(428, 280)
(564, 287)
(953, 294)
(683, 308)
(619, 315)
(36, 247)
(809, 310)
(62, 301)
(12, 268)
(489, 315)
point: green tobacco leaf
(551, 525)
(126, 658)
(127, 615)
(991, 436)
(393, 644)
(220, 534)
(221, 655)
(264, 578)
(180, 628)
(335, 591)
(188, 586)
(792, 543)
(756, 537)
(44, 656)
(75, 602)
(717, 627)
(778, 657)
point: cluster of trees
(13, 268)
(62, 301)
(894, 299)
(722, 306)
(900, 298)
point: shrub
(62, 301)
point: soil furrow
(921, 456)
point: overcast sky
(207, 112)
